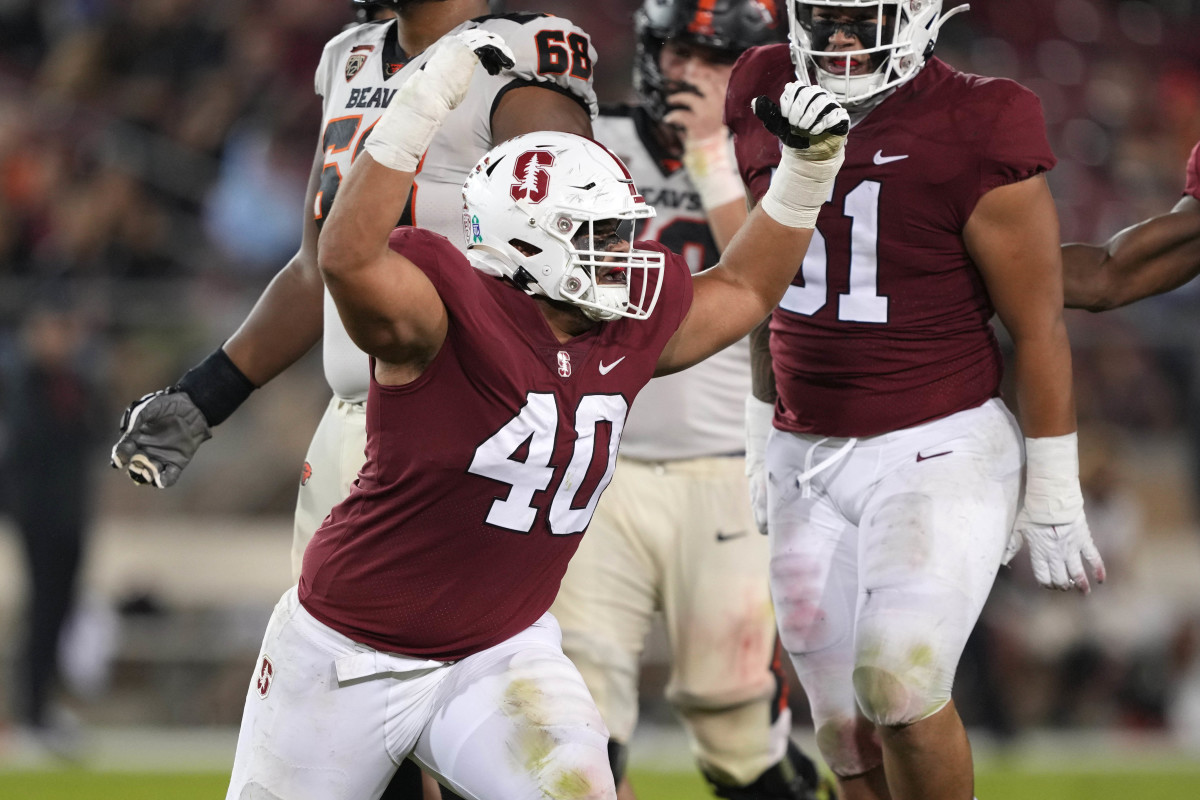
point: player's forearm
(371, 199)
(1045, 393)
(284, 324)
(1150, 258)
(725, 220)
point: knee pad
(618, 759)
(894, 698)
(850, 745)
(793, 778)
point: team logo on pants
(266, 676)
(564, 364)
(305, 473)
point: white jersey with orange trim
(359, 74)
(698, 412)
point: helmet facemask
(894, 43)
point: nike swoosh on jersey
(881, 159)
(921, 458)
(607, 368)
(725, 537)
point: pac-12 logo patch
(564, 364)
(532, 171)
(353, 64)
(266, 676)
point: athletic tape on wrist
(415, 114)
(216, 386)
(710, 166)
(1052, 493)
(800, 187)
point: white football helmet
(529, 211)
(897, 47)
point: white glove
(808, 120)
(759, 416)
(404, 132)
(813, 128)
(1052, 521)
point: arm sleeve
(1018, 148)
(321, 77)
(676, 298)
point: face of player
(678, 56)
(612, 236)
(835, 29)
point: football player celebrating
(1151, 257)
(893, 470)
(550, 87)
(497, 396)
(674, 531)
(361, 69)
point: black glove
(159, 435)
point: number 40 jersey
(360, 72)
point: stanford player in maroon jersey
(893, 473)
(1154, 256)
(500, 382)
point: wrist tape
(1052, 493)
(404, 132)
(216, 386)
(800, 187)
(710, 166)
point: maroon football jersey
(1193, 173)
(483, 472)
(886, 325)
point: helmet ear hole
(524, 248)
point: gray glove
(159, 435)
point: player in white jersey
(549, 88)
(674, 532)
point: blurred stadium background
(153, 155)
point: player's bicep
(722, 311)
(534, 107)
(390, 308)
(1012, 236)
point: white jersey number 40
(536, 426)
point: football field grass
(1164, 782)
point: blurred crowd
(153, 156)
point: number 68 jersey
(887, 323)
(360, 71)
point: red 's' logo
(564, 364)
(266, 676)
(305, 473)
(532, 171)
